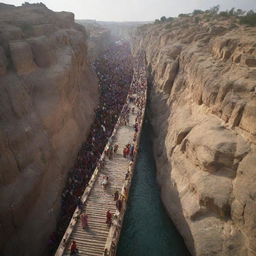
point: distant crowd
(114, 70)
(133, 107)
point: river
(147, 230)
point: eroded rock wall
(100, 38)
(203, 104)
(47, 98)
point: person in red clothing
(109, 218)
(115, 148)
(136, 127)
(128, 146)
(73, 249)
(84, 220)
(124, 152)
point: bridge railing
(62, 246)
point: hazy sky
(135, 10)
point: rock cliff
(203, 102)
(100, 38)
(47, 94)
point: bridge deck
(91, 241)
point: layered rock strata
(47, 94)
(203, 104)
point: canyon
(48, 94)
(203, 103)
(99, 40)
(203, 111)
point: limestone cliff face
(204, 114)
(100, 38)
(47, 96)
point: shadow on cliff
(159, 123)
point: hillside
(203, 102)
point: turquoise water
(147, 229)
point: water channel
(147, 230)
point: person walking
(84, 220)
(116, 195)
(115, 148)
(73, 249)
(104, 183)
(108, 217)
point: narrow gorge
(204, 119)
(66, 82)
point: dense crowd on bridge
(114, 70)
(135, 104)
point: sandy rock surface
(47, 94)
(203, 104)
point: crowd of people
(137, 97)
(114, 71)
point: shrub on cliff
(232, 13)
(214, 10)
(163, 19)
(213, 13)
(249, 18)
(196, 12)
(183, 15)
(224, 14)
(170, 19)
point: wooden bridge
(100, 239)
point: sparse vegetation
(214, 10)
(163, 19)
(249, 18)
(157, 21)
(170, 19)
(196, 12)
(237, 15)
(183, 15)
